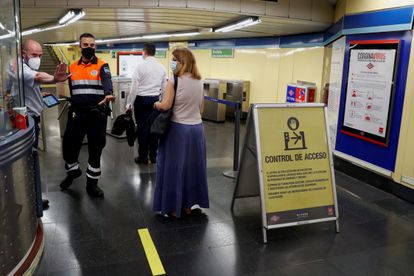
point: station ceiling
(125, 18)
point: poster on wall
(127, 62)
(370, 89)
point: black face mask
(88, 53)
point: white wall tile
(143, 3)
(82, 3)
(253, 7)
(281, 8)
(322, 10)
(173, 3)
(27, 3)
(113, 3)
(201, 4)
(301, 9)
(48, 3)
(227, 5)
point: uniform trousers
(83, 122)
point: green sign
(160, 53)
(222, 53)
(113, 54)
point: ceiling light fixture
(250, 21)
(118, 39)
(185, 34)
(62, 44)
(155, 36)
(71, 16)
(38, 30)
(6, 36)
(150, 36)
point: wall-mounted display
(370, 90)
(127, 62)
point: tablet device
(50, 100)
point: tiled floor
(87, 236)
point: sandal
(171, 215)
(189, 211)
(196, 211)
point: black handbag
(162, 121)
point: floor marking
(151, 252)
(349, 192)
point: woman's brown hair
(187, 61)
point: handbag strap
(175, 89)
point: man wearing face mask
(148, 83)
(91, 90)
(32, 53)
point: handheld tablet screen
(50, 100)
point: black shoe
(141, 161)
(45, 204)
(69, 179)
(92, 188)
(153, 160)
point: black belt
(100, 110)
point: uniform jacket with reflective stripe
(90, 82)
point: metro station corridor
(323, 89)
(85, 236)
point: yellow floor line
(151, 252)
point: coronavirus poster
(369, 90)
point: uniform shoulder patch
(106, 70)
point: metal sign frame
(388, 44)
(265, 226)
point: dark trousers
(147, 144)
(81, 123)
(36, 169)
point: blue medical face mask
(173, 65)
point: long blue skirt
(181, 170)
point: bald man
(32, 54)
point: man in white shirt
(148, 83)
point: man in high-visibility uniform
(91, 90)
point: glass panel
(10, 65)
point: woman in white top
(181, 166)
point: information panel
(127, 62)
(295, 164)
(369, 94)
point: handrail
(65, 60)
